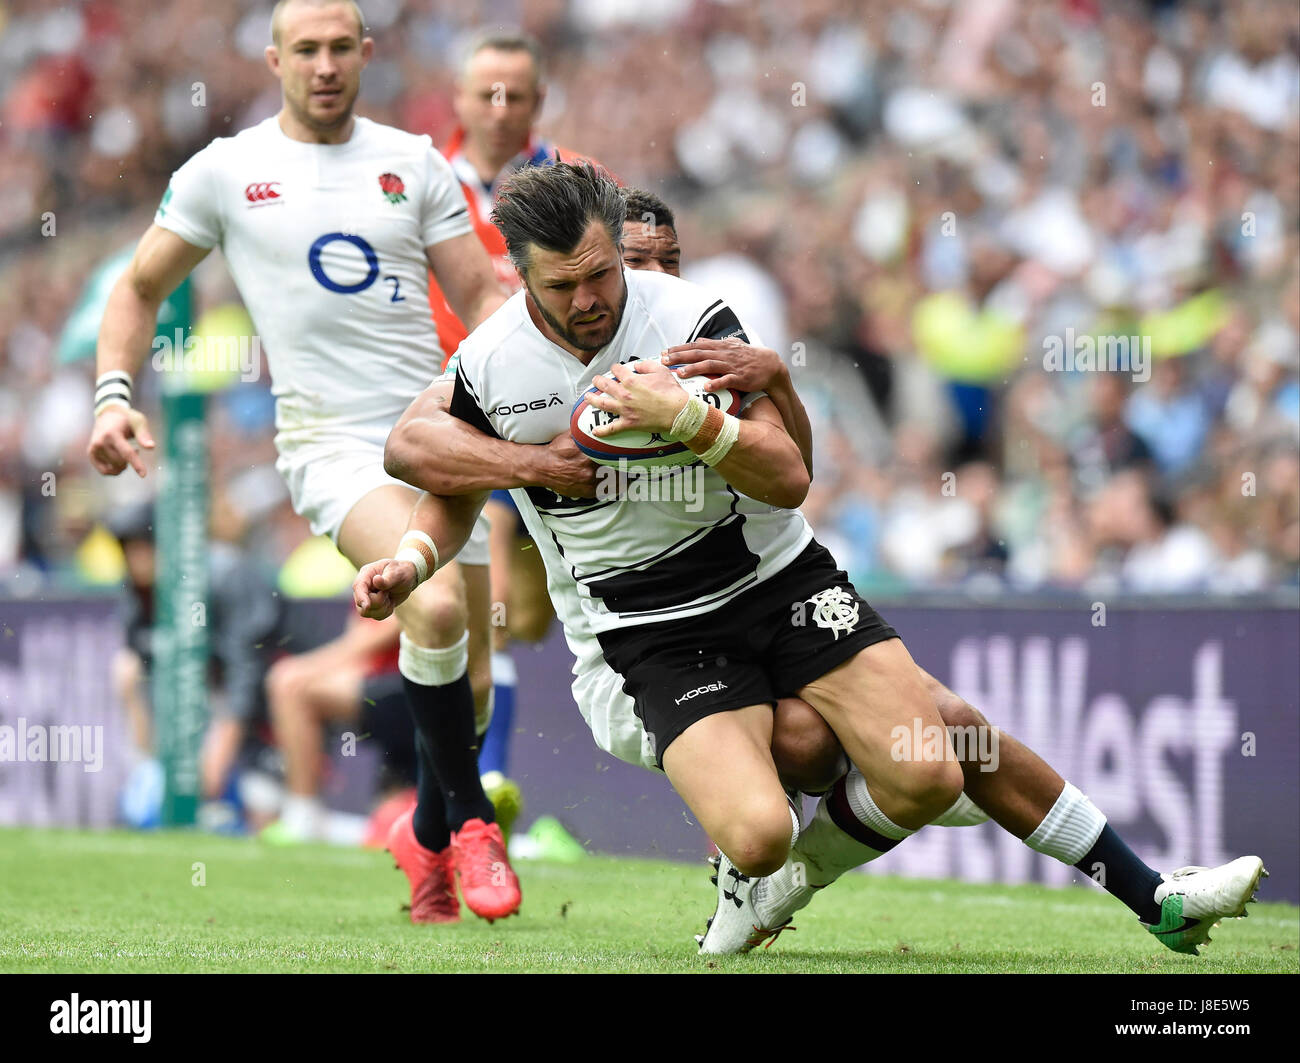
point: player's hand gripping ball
(637, 447)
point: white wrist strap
(112, 389)
(726, 440)
(418, 548)
(689, 420)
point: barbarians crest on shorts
(835, 610)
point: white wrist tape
(689, 420)
(418, 548)
(112, 389)
(725, 441)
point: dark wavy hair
(641, 203)
(551, 207)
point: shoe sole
(430, 922)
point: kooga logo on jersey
(524, 407)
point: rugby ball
(639, 448)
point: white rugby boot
(1193, 900)
(736, 924)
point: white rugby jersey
(597, 688)
(631, 561)
(326, 245)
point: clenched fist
(381, 586)
(565, 469)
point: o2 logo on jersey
(323, 278)
(372, 267)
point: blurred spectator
(1170, 417)
(911, 195)
(1105, 444)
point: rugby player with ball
(692, 612)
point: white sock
(823, 852)
(865, 809)
(302, 816)
(430, 666)
(964, 813)
(777, 891)
(504, 672)
(1070, 829)
(826, 851)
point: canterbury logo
(259, 191)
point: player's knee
(435, 619)
(931, 787)
(967, 728)
(281, 685)
(758, 841)
(529, 625)
(805, 750)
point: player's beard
(320, 124)
(587, 343)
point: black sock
(430, 818)
(444, 716)
(1122, 874)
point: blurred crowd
(914, 201)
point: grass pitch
(182, 902)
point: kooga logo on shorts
(710, 689)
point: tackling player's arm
(437, 530)
(465, 274)
(745, 367)
(445, 455)
(161, 261)
(755, 454)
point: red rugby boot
(432, 877)
(382, 818)
(487, 881)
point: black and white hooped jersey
(631, 559)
